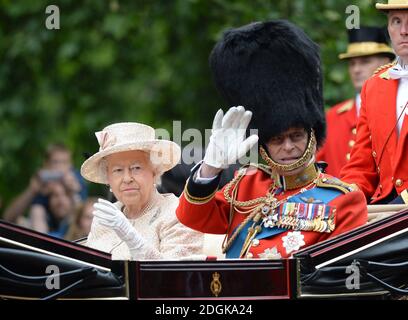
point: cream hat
(392, 5)
(128, 136)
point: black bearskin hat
(273, 69)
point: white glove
(110, 216)
(227, 142)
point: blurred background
(133, 60)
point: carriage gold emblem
(215, 285)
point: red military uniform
(341, 122)
(205, 210)
(379, 158)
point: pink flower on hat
(105, 140)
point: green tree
(129, 60)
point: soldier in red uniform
(366, 52)
(268, 210)
(378, 164)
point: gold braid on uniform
(297, 164)
(234, 183)
(385, 66)
(254, 211)
(253, 207)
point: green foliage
(129, 60)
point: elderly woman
(142, 224)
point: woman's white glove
(227, 142)
(110, 216)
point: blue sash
(236, 247)
(322, 194)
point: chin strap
(307, 155)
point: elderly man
(269, 210)
(378, 164)
(367, 51)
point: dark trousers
(392, 198)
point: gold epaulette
(233, 184)
(326, 182)
(346, 106)
(383, 67)
(243, 170)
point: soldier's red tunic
(379, 159)
(208, 211)
(341, 135)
